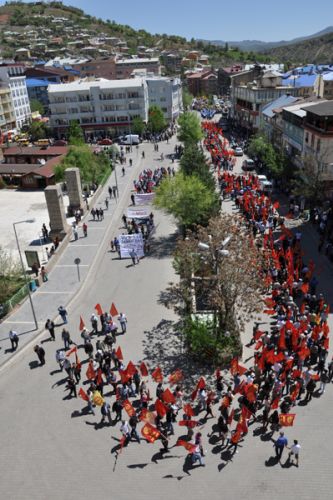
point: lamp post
(114, 162)
(28, 221)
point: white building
(166, 93)
(13, 76)
(100, 106)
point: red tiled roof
(35, 151)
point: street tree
(193, 161)
(93, 168)
(263, 150)
(188, 199)
(37, 106)
(138, 125)
(156, 120)
(225, 275)
(187, 99)
(37, 130)
(75, 134)
(190, 131)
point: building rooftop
(323, 109)
(138, 60)
(270, 109)
(37, 82)
(301, 80)
(35, 151)
(100, 82)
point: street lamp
(27, 221)
(114, 163)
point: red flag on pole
(113, 310)
(150, 432)
(231, 416)
(168, 397)
(190, 447)
(73, 349)
(131, 369)
(275, 404)
(98, 309)
(119, 353)
(99, 377)
(188, 410)
(128, 408)
(188, 423)
(287, 419)
(143, 369)
(157, 374)
(90, 373)
(160, 408)
(176, 377)
(201, 384)
(82, 324)
(83, 394)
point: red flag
(258, 345)
(236, 436)
(270, 302)
(246, 413)
(157, 374)
(296, 374)
(90, 373)
(113, 310)
(119, 353)
(124, 376)
(234, 366)
(73, 349)
(128, 408)
(99, 377)
(225, 402)
(99, 309)
(143, 369)
(287, 419)
(188, 410)
(241, 369)
(122, 442)
(258, 334)
(240, 387)
(294, 393)
(315, 376)
(251, 393)
(279, 357)
(131, 369)
(82, 324)
(83, 394)
(168, 397)
(275, 404)
(176, 377)
(190, 447)
(276, 205)
(160, 408)
(269, 311)
(201, 384)
(242, 425)
(147, 416)
(231, 416)
(305, 288)
(150, 433)
(194, 395)
(188, 423)
(282, 339)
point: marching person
(49, 325)
(294, 451)
(123, 322)
(14, 339)
(40, 353)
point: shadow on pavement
(271, 462)
(34, 364)
(164, 246)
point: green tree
(261, 148)
(36, 105)
(138, 125)
(93, 168)
(75, 134)
(156, 120)
(37, 130)
(188, 199)
(187, 98)
(190, 131)
(193, 161)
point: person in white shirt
(126, 431)
(123, 322)
(294, 450)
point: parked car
(130, 140)
(265, 185)
(248, 165)
(105, 142)
(238, 151)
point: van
(130, 139)
(265, 185)
(248, 164)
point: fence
(7, 306)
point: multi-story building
(125, 67)
(249, 99)
(13, 76)
(224, 77)
(7, 116)
(202, 82)
(271, 121)
(172, 62)
(38, 90)
(101, 106)
(318, 140)
(166, 93)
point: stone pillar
(73, 183)
(56, 209)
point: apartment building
(12, 75)
(125, 67)
(100, 106)
(167, 94)
(7, 116)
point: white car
(238, 151)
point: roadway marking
(71, 265)
(20, 322)
(93, 245)
(38, 293)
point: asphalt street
(51, 450)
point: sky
(216, 19)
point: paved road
(52, 451)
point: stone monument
(74, 190)
(56, 209)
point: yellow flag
(97, 398)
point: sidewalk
(63, 284)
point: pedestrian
(94, 323)
(123, 171)
(106, 204)
(279, 445)
(324, 379)
(75, 233)
(44, 274)
(294, 451)
(66, 338)
(133, 422)
(14, 339)
(110, 192)
(106, 412)
(134, 257)
(60, 358)
(198, 453)
(123, 322)
(63, 313)
(117, 407)
(114, 191)
(49, 325)
(101, 213)
(93, 213)
(72, 388)
(126, 431)
(85, 229)
(133, 199)
(40, 353)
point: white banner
(129, 242)
(143, 198)
(137, 213)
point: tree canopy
(75, 134)
(261, 148)
(193, 161)
(188, 199)
(190, 131)
(156, 120)
(92, 167)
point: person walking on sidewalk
(294, 451)
(85, 230)
(40, 353)
(14, 339)
(49, 325)
(279, 445)
(123, 322)
(66, 338)
(63, 313)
